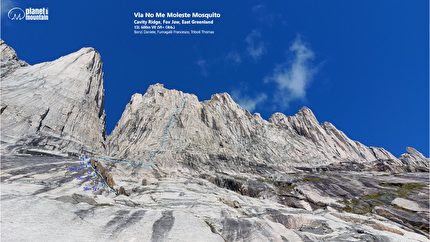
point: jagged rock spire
(58, 106)
(53, 106)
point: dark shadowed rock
(162, 226)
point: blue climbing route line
(124, 161)
(167, 134)
(102, 178)
(134, 162)
(152, 162)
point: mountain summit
(176, 168)
(58, 107)
(53, 106)
(219, 134)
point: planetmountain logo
(16, 14)
(29, 14)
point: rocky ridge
(58, 106)
(219, 135)
(53, 106)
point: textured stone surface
(414, 158)
(53, 106)
(9, 60)
(42, 201)
(219, 135)
(57, 107)
(223, 175)
(408, 204)
(413, 219)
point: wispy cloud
(263, 15)
(246, 102)
(257, 8)
(7, 5)
(293, 76)
(234, 56)
(256, 50)
(203, 67)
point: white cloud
(203, 66)
(246, 102)
(256, 50)
(293, 77)
(257, 8)
(263, 15)
(234, 56)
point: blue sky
(361, 65)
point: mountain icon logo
(16, 14)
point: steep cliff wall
(53, 106)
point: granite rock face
(58, 107)
(222, 174)
(219, 135)
(9, 60)
(414, 158)
(42, 201)
(53, 106)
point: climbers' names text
(173, 23)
